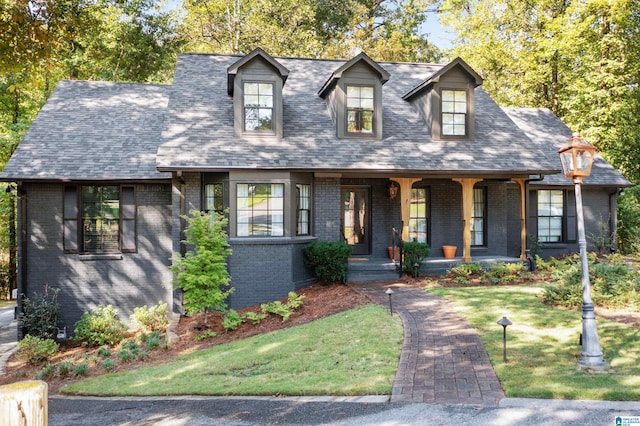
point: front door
(356, 219)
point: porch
(371, 268)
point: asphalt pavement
(196, 411)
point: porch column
(467, 214)
(405, 202)
(523, 217)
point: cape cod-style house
(296, 150)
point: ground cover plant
(191, 334)
(543, 345)
(350, 353)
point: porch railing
(396, 249)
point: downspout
(22, 254)
(613, 218)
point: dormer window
(255, 82)
(354, 98)
(445, 100)
(360, 110)
(258, 106)
(454, 113)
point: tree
(384, 29)
(202, 272)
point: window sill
(111, 256)
(271, 240)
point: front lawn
(351, 353)
(543, 345)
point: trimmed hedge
(328, 259)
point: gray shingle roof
(94, 131)
(199, 133)
(549, 133)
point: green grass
(352, 353)
(543, 345)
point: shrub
(65, 368)
(294, 301)
(254, 317)
(40, 314)
(36, 349)
(101, 326)
(108, 364)
(629, 221)
(414, 253)
(82, 369)
(207, 334)
(104, 352)
(202, 273)
(151, 319)
(131, 350)
(151, 341)
(47, 371)
(504, 272)
(465, 269)
(328, 260)
(232, 320)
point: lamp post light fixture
(390, 292)
(576, 157)
(504, 322)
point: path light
(504, 322)
(576, 157)
(390, 292)
(416, 267)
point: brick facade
(125, 281)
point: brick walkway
(443, 360)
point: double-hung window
(550, 215)
(258, 106)
(260, 209)
(99, 219)
(418, 215)
(303, 209)
(479, 217)
(454, 113)
(360, 110)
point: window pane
(550, 215)
(100, 219)
(360, 107)
(251, 88)
(260, 209)
(251, 101)
(303, 215)
(417, 215)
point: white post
(24, 403)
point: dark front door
(356, 219)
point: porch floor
(364, 268)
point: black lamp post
(390, 292)
(577, 157)
(504, 322)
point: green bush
(504, 272)
(202, 273)
(36, 349)
(328, 260)
(40, 314)
(131, 350)
(65, 368)
(414, 253)
(465, 269)
(101, 326)
(629, 221)
(613, 285)
(151, 340)
(82, 369)
(47, 372)
(108, 364)
(254, 317)
(284, 310)
(104, 352)
(232, 320)
(153, 318)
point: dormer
(354, 96)
(255, 82)
(445, 101)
